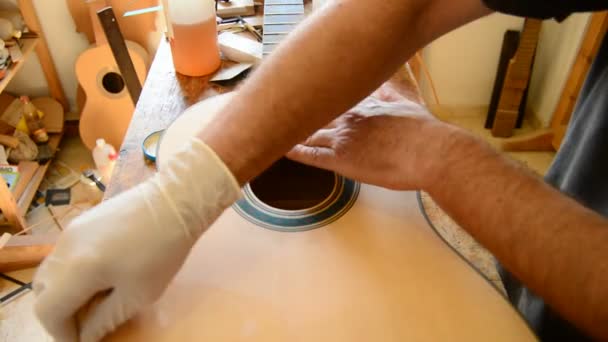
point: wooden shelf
(14, 209)
(28, 47)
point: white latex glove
(133, 244)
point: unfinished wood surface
(10, 210)
(587, 52)
(26, 251)
(539, 140)
(516, 81)
(44, 56)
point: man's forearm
(330, 63)
(551, 243)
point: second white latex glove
(133, 245)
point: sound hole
(289, 185)
(113, 83)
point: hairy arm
(554, 245)
(331, 62)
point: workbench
(165, 95)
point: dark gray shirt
(580, 168)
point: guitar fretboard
(280, 18)
(526, 50)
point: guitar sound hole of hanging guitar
(113, 83)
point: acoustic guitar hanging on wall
(507, 106)
(108, 108)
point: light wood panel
(585, 57)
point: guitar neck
(280, 18)
(94, 7)
(522, 61)
(517, 78)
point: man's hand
(130, 247)
(385, 140)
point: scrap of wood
(26, 251)
(240, 49)
(536, 141)
(10, 210)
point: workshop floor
(65, 172)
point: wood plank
(539, 140)
(28, 46)
(590, 45)
(10, 210)
(26, 251)
(44, 56)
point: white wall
(65, 45)
(557, 49)
(463, 62)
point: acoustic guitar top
(308, 255)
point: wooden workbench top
(164, 97)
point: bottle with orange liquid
(193, 36)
